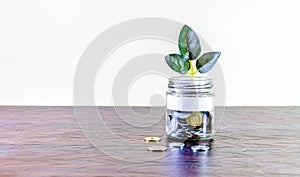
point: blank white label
(189, 103)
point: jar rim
(189, 78)
(186, 82)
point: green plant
(190, 49)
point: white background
(41, 43)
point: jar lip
(189, 79)
(186, 82)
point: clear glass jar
(190, 108)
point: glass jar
(190, 108)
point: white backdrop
(42, 41)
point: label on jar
(189, 103)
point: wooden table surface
(54, 141)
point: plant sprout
(190, 49)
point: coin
(152, 139)
(176, 145)
(195, 119)
(200, 148)
(157, 148)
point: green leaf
(207, 61)
(178, 63)
(188, 42)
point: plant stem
(192, 72)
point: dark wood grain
(48, 141)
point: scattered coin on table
(152, 139)
(176, 145)
(200, 148)
(157, 148)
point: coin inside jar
(152, 139)
(157, 148)
(200, 148)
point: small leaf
(207, 61)
(178, 63)
(195, 119)
(188, 42)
